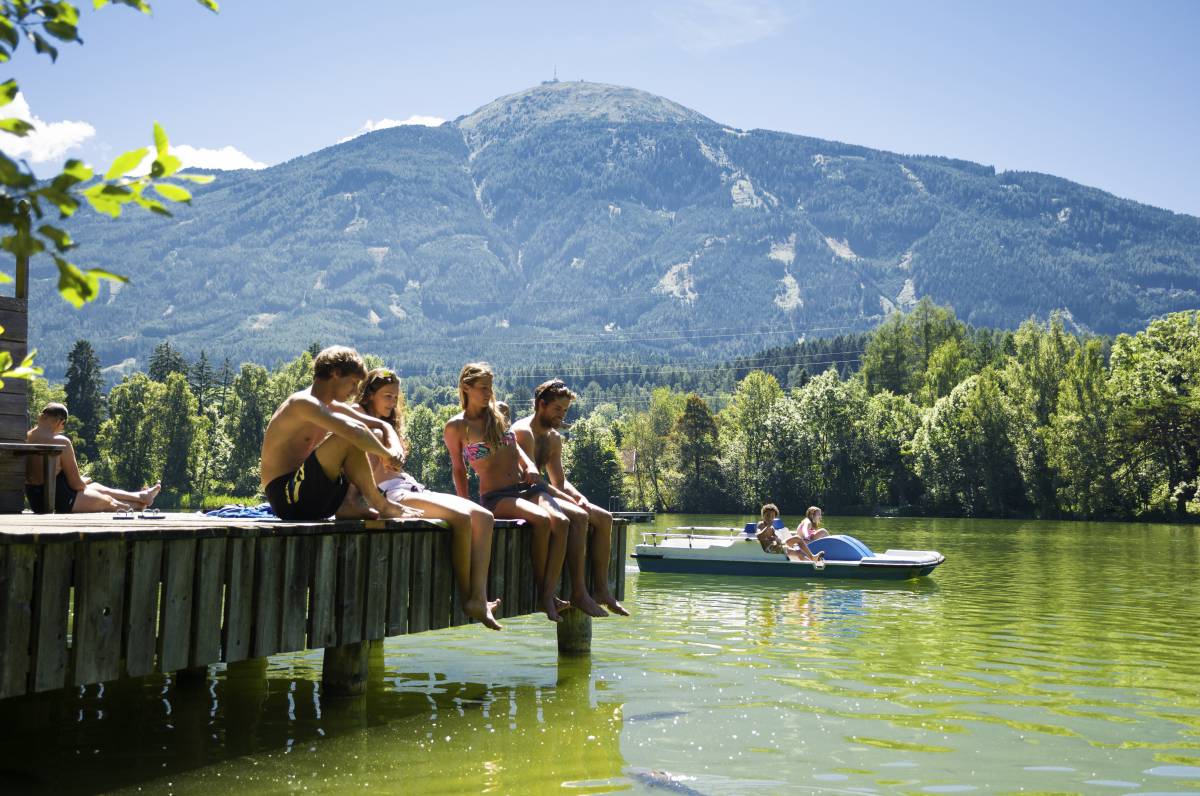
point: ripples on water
(1042, 657)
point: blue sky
(1103, 93)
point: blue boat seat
(841, 548)
(752, 527)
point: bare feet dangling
(610, 602)
(585, 603)
(554, 607)
(482, 610)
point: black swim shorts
(307, 494)
(64, 496)
(518, 491)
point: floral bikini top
(474, 451)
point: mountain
(577, 219)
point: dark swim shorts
(307, 494)
(518, 491)
(64, 496)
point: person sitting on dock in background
(765, 530)
(538, 435)
(74, 493)
(470, 524)
(315, 448)
(509, 484)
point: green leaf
(74, 285)
(4, 280)
(8, 91)
(13, 175)
(153, 205)
(66, 204)
(100, 273)
(118, 193)
(62, 241)
(63, 31)
(199, 179)
(98, 4)
(165, 166)
(140, 5)
(22, 243)
(8, 33)
(42, 46)
(211, 5)
(26, 370)
(126, 163)
(18, 127)
(100, 202)
(173, 193)
(78, 170)
(160, 140)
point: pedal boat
(704, 551)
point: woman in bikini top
(474, 451)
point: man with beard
(538, 435)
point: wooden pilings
(86, 600)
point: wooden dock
(88, 598)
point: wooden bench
(12, 478)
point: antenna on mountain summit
(553, 79)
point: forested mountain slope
(578, 219)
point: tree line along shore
(923, 414)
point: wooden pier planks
(147, 602)
(16, 616)
(99, 609)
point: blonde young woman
(509, 483)
(471, 525)
(809, 530)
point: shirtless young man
(538, 436)
(316, 447)
(73, 493)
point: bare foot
(396, 511)
(147, 495)
(554, 607)
(482, 610)
(356, 512)
(584, 602)
(610, 602)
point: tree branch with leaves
(28, 204)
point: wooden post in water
(345, 670)
(575, 633)
(575, 629)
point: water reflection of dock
(252, 731)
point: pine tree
(165, 360)
(85, 395)
(203, 382)
(177, 419)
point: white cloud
(227, 157)
(371, 126)
(47, 141)
(707, 25)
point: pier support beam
(575, 633)
(344, 672)
(191, 677)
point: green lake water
(1040, 658)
